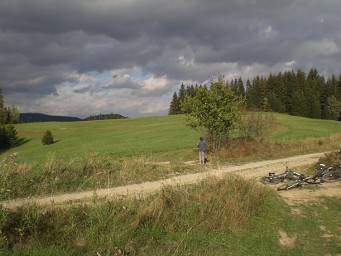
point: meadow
(164, 137)
(117, 138)
(231, 216)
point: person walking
(201, 145)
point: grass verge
(228, 216)
(199, 219)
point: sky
(86, 57)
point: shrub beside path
(249, 170)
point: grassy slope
(120, 138)
(300, 128)
(141, 136)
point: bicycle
(299, 183)
(333, 175)
(273, 179)
(323, 174)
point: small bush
(256, 126)
(330, 159)
(8, 136)
(47, 138)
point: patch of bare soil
(285, 240)
(311, 193)
(253, 170)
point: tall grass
(243, 151)
(177, 221)
(229, 216)
(54, 175)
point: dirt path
(250, 170)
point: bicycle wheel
(332, 176)
(312, 180)
(293, 176)
(271, 180)
(288, 185)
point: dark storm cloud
(48, 43)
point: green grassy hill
(299, 128)
(162, 135)
(120, 138)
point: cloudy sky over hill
(84, 57)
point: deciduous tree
(215, 110)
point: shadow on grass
(21, 141)
(53, 142)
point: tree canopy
(216, 110)
(8, 116)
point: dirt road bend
(249, 170)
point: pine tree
(241, 89)
(291, 89)
(313, 105)
(8, 133)
(334, 107)
(47, 138)
(259, 93)
(182, 93)
(250, 95)
(234, 86)
(339, 88)
(299, 104)
(1, 100)
(11, 134)
(174, 107)
(13, 115)
(3, 112)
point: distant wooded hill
(38, 117)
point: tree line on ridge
(294, 93)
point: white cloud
(155, 83)
(290, 63)
(267, 32)
(325, 47)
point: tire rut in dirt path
(249, 170)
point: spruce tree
(47, 138)
(339, 88)
(299, 105)
(182, 93)
(334, 107)
(8, 116)
(234, 86)
(174, 107)
(250, 95)
(1, 100)
(3, 111)
(241, 89)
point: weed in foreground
(253, 149)
(229, 216)
(174, 222)
(56, 176)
